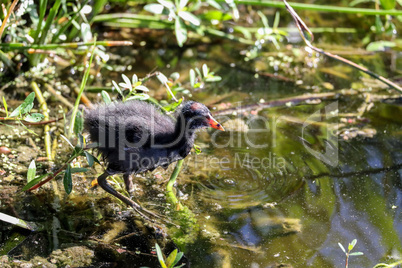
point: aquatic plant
(349, 252)
(391, 265)
(169, 262)
(22, 112)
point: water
(283, 185)
(299, 181)
(267, 213)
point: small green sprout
(348, 253)
(22, 112)
(198, 79)
(173, 258)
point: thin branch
(319, 7)
(304, 29)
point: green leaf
(276, 20)
(140, 96)
(91, 159)
(235, 11)
(356, 2)
(175, 76)
(134, 80)
(25, 107)
(183, 3)
(78, 151)
(380, 45)
(343, 249)
(390, 29)
(86, 33)
(31, 171)
(356, 254)
(106, 97)
(162, 78)
(198, 72)
(68, 181)
(213, 79)
(159, 254)
(154, 8)
(378, 24)
(127, 81)
(167, 4)
(171, 258)
(78, 170)
(187, 16)
(181, 32)
(205, 70)
(192, 78)
(142, 88)
(388, 4)
(214, 4)
(5, 106)
(178, 258)
(217, 15)
(16, 111)
(78, 123)
(124, 85)
(35, 181)
(172, 106)
(264, 19)
(195, 5)
(179, 89)
(352, 245)
(35, 117)
(81, 140)
(116, 86)
(28, 103)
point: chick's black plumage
(136, 136)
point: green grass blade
(5, 106)
(82, 87)
(42, 10)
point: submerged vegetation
(56, 55)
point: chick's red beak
(213, 123)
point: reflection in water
(299, 213)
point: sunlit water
(299, 208)
(291, 184)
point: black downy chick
(135, 137)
